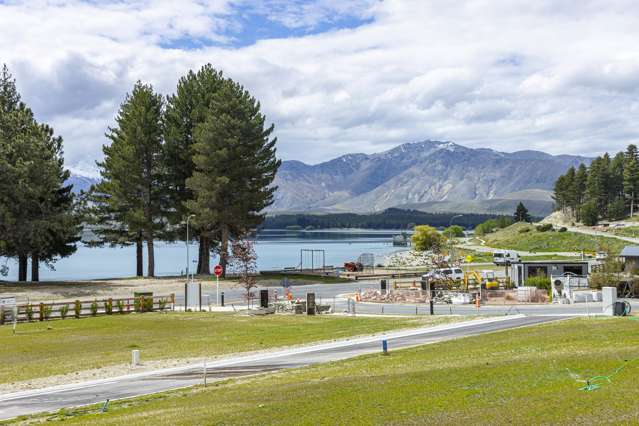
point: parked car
(450, 273)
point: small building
(521, 271)
(630, 257)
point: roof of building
(550, 262)
(630, 251)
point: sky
(338, 76)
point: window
(537, 271)
(574, 269)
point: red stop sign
(217, 270)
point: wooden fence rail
(77, 308)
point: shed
(521, 271)
(630, 257)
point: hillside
(525, 237)
(416, 174)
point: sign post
(217, 271)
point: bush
(162, 304)
(47, 309)
(544, 228)
(120, 305)
(427, 238)
(77, 308)
(94, 308)
(590, 213)
(454, 231)
(28, 310)
(524, 230)
(108, 307)
(563, 229)
(64, 311)
(541, 282)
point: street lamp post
(188, 257)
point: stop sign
(217, 270)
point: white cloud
(553, 75)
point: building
(630, 257)
(521, 271)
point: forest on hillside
(607, 189)
(388, 219)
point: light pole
(188, 257)
(450, 237)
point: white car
(450, 273)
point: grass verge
(61, 347)
(521, 376)
(525, 237)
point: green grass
(514, 239)
(59, 347)
(627, 231)
(521, 376)
(300, 278)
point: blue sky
(344, 76)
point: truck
(505, 257)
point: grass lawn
(521, 376)
(59, 347)
(298, 279)
(627, 231)
(515, 238)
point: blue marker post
(385, 347)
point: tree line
(606, 189)
(38, 215)
(388, 219)
(202, 156)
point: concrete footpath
(79, 394)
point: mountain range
(430, 176)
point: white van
(505, 257)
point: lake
(275, 249)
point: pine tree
(131, 192)
(187, 109)
(581, 178)
(631, 176)
(521, 213)
(235, 166)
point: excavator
(485, 278)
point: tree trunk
(22, 268)
(35, 268)
(151, 255)
(632, 205)
(204, 256)
(224, 249)
(139, 263)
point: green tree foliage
(129, 199)
(235, 165)
(186, 111)
(454, 231)
(631, 176)
(427, 238)
(590, 213)
(492, 224)
(37, 216)
(521, 213)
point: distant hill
(81, 183)
(429, 176)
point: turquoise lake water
(275, 249)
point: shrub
(47, 309)
(162, 304)
(524, 230)
(28, 310)
(77, 308)
(544, 228)
(454, 231)
(94, 308)
(563, 229)
(120, 306)
(64, 310)
(540, 281)
(108, 307)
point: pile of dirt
(558, 218)
(396, 296)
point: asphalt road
(55, 398)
